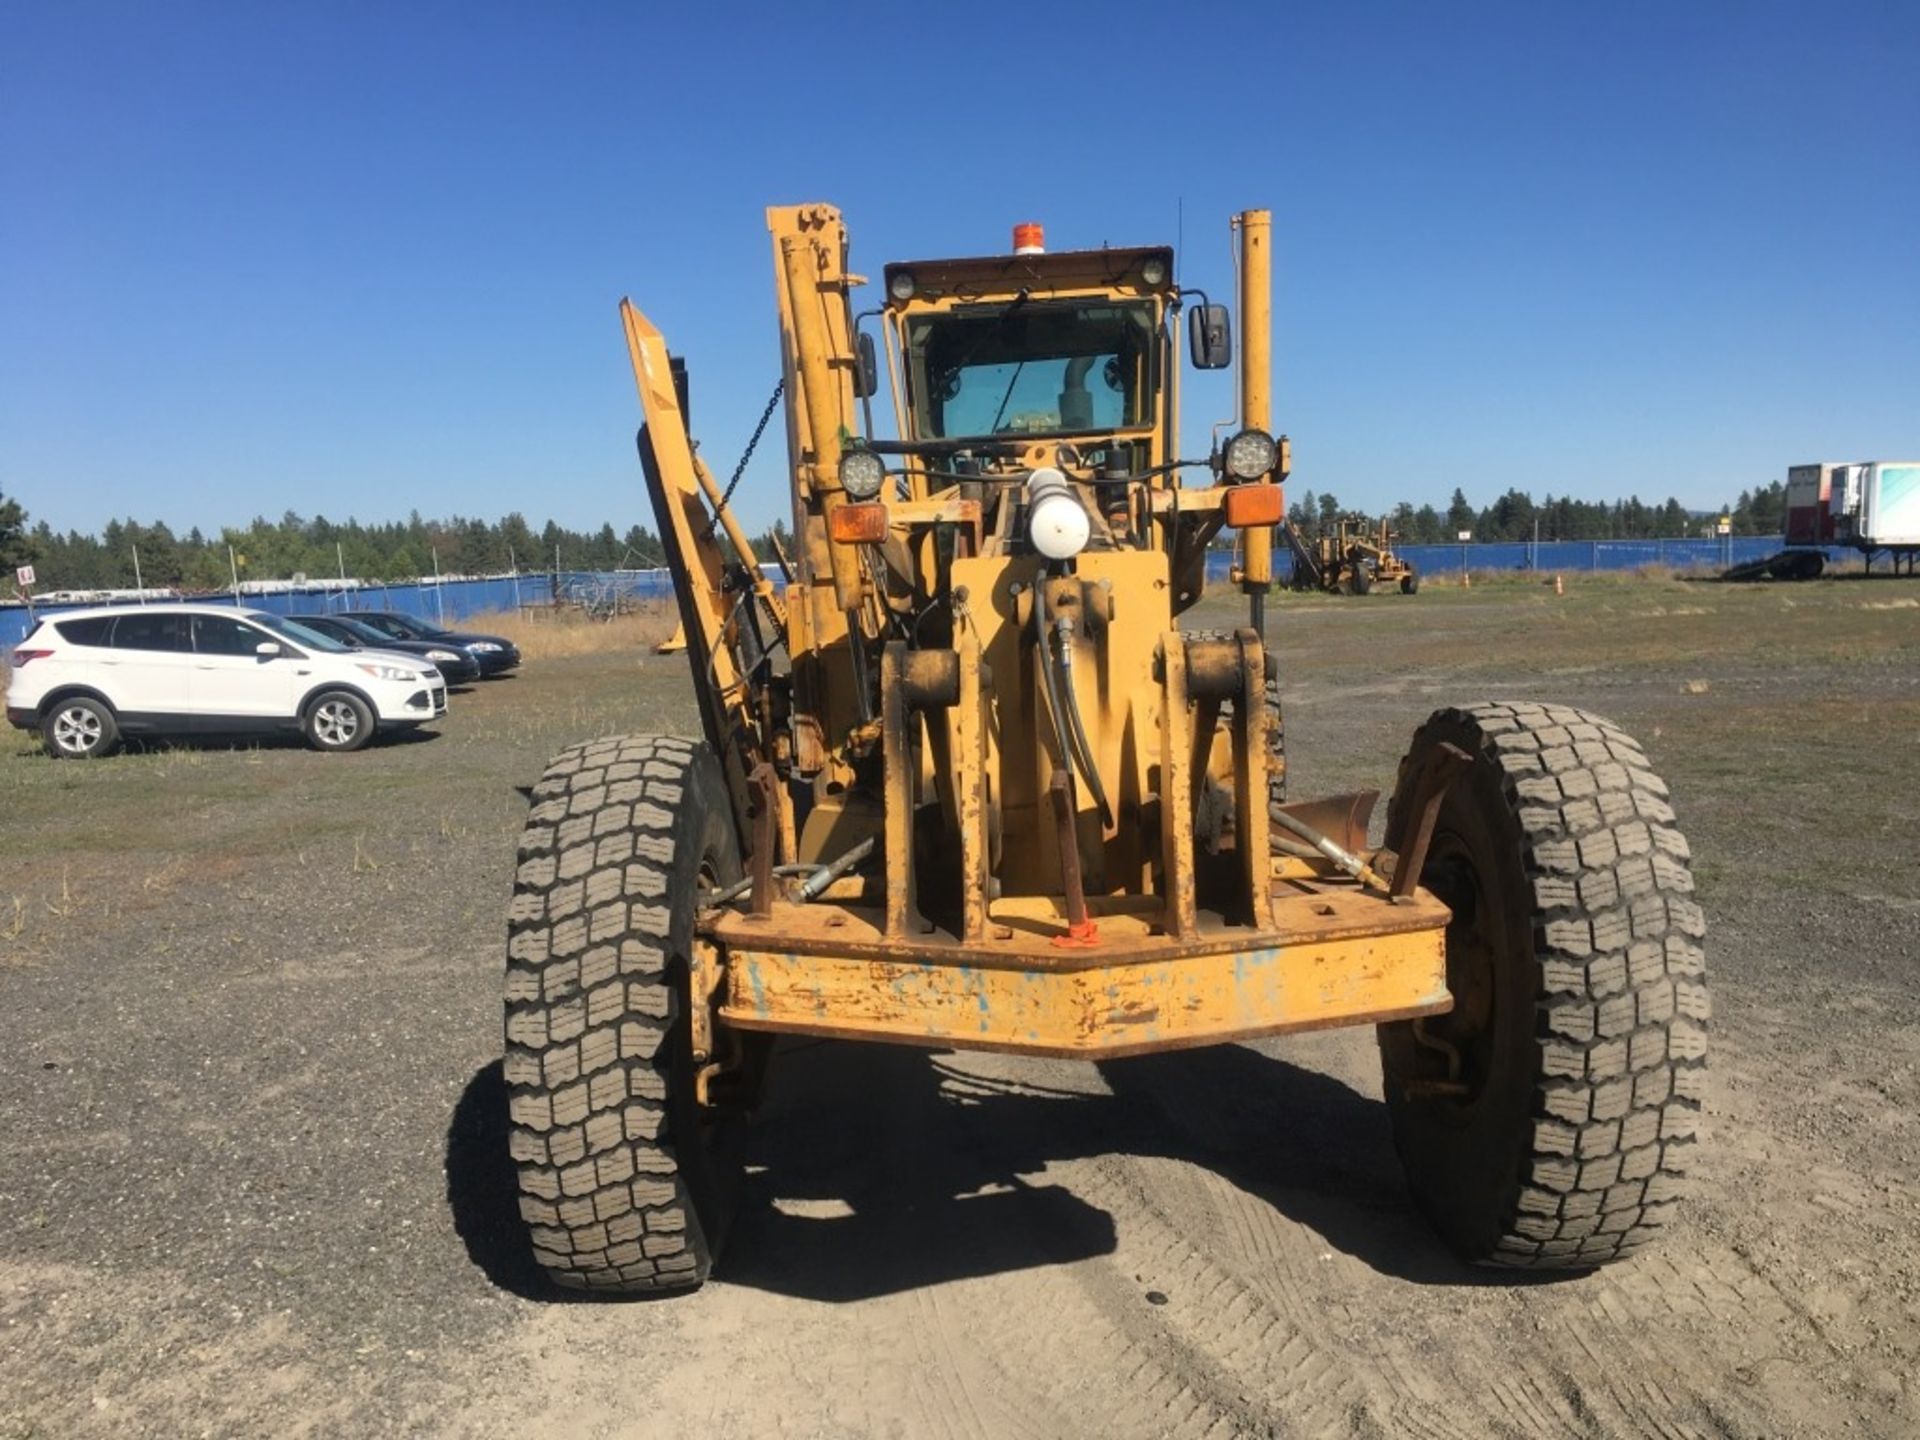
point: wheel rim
(1468, 1029)
(335, 723)
(77, 730)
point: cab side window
(218, 635)
(137, 631)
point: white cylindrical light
(862, 473)
(1250, 454)
(1057, 522)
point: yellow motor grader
(1352, 558)
(963, 778)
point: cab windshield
(1047, 368)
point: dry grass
(1655, 574)
(554, 634)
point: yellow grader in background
(963, 779)
(1357, 556)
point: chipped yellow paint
(1097, 1010)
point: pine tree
(1460, 515)
(15, 547)
(161, 565)
(516, 537)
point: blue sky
(363, 258)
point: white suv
(84, 678)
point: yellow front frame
(1335, 956)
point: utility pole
(138, 584)
(233, 566)
(439, 596)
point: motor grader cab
(965, 779)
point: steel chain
(733, 482)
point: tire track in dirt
(1038, 1350)
(1254, 1307)
(1216, 1358)
(978, 1404)
(1259, 1333)
(1284, 1312)
(1593, 1366)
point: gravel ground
(252, 1177)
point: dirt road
(252, 1177)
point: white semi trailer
(1876, 507)
(1872, 506)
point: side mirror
(1210, 337)
(268, 650)
(866, 375)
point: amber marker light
(1253, 505)
(859, 524)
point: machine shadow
(879, 1169)
(482, 1194)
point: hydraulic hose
(819, 877)
(816, 883)
(1073, 742)
(1083, 750)
(1044, 645)
(857, 658)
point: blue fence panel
(1220, 565)
(453, 601)
(1705, 553)
(447, 603)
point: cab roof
(986, 276)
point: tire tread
(590, 1003)
(1622, 1010)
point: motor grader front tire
(1550, 1120)
(622, 1177)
